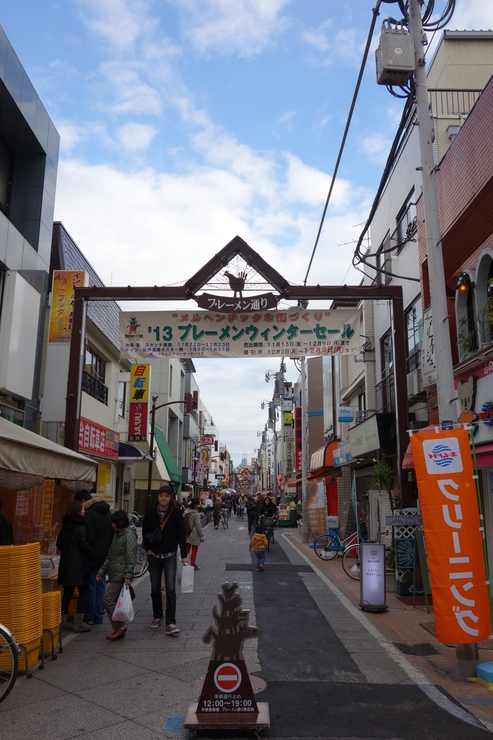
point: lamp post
(154, 408)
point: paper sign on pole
(447, 493)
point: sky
(184, 123)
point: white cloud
(136, 137)
(119, 22)
(376, 147)
(243, 27)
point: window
(6, 165)
(94, 376)
(385, 389)
(384, 263)
(122, 398)
(407, 225)
(414, 336)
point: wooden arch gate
(283, 290)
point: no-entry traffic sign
(227, 677)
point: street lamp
(154, 408)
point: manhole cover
(421, 648)
(258, 684)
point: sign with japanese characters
(62, 303)
(287, 333)
(428, 369)
(140, 382)
(97, 440)
(449, 507)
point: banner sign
(97, 440)
(449, 507)
(290, 333)
(140, 382)
(62, 303)
(243, 305)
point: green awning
(167, 455)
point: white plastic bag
(185, 577)
(124, 609)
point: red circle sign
(227, 677)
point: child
(259, 543)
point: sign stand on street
(227, 701)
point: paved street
(329, 671)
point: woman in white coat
(194, 532)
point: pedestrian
(241, 503)
(119, 567)
(193, 531)
(217, 507)
(162, 548)
(73, 569)
(252, 510)
(99, 530)
(259, 543)
(268, 507)
(6, 529)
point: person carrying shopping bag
(193, 531)
(119, 567)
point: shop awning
(167, 455)
(322, 462)
(23, 451)
(129, 454)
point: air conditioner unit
(413, 383)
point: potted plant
(383, 479)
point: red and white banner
(454, 546)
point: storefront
(323, 469)
(38, 479)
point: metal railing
(453, 102)
(94, 387)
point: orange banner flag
(453, 535)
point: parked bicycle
(328, 546)
(205, 517)
(142, 562)
(9, 661)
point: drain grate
(421, 648)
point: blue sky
(186, 122)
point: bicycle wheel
(9, 662)
(326, 546)
(142, 563)
(351, 561)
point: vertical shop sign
(103, 482)
(449, 506)
(298, 438)
(140, 383)
(289, 456)
(47, 503)
(62, 304)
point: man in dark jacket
(163, 532)
(99, 532)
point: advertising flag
(453, 535)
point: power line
(346, 131)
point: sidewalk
(404, 625)
(142, 685)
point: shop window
(385, 388)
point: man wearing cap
(163, 532)
(98, 522)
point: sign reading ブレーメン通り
(285, 333)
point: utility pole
(305, 530)
(467, 656)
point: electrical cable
(346, 131)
